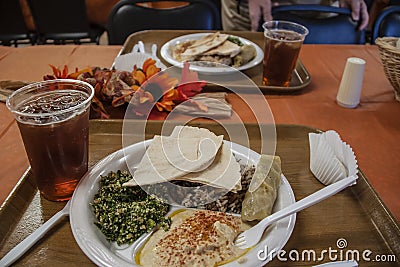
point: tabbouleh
(126, 213)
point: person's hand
(358, 8)
(258, 8)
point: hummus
(196, 238)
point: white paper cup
(331, 159)
(350, 87)
(127, 62)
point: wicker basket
(390, 56)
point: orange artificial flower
(63, 74)
(167, 102)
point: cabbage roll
(247, 53)
(263, 189)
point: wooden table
(372, 129)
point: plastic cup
(349, 92)
(53, 119)
(283, 41)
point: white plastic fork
(253, 235)
(154, 51)
(19, 250)
(141, 47)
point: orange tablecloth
(372, 129)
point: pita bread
(224, 172)
(180, 47)
(194, 132)
(227, 48)
(168, 158)
(190, 154)
(195, 49)
(205, 39)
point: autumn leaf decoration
(144, 88)
(63, 74)
(165, 93)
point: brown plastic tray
(300, 76)
(356, 214)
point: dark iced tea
(282, 47)
(55, 134)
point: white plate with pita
(166, 53)
(103, 253)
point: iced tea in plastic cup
(53, 118)
(283, 40)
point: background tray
(300, 77)
(356, 215)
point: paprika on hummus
(196, 238)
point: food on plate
(190, 154)
(125, 213)
(112, 195)
(171, 157)
(204, 44)
(214, 48)
(246, 54)
(263, 189)
(196, 238)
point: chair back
(127, 17)
(62, 21)
(326, 24)
(13, 29)
(387, 23)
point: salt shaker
(349, 92)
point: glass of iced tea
(283, 40)
(53, 118)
